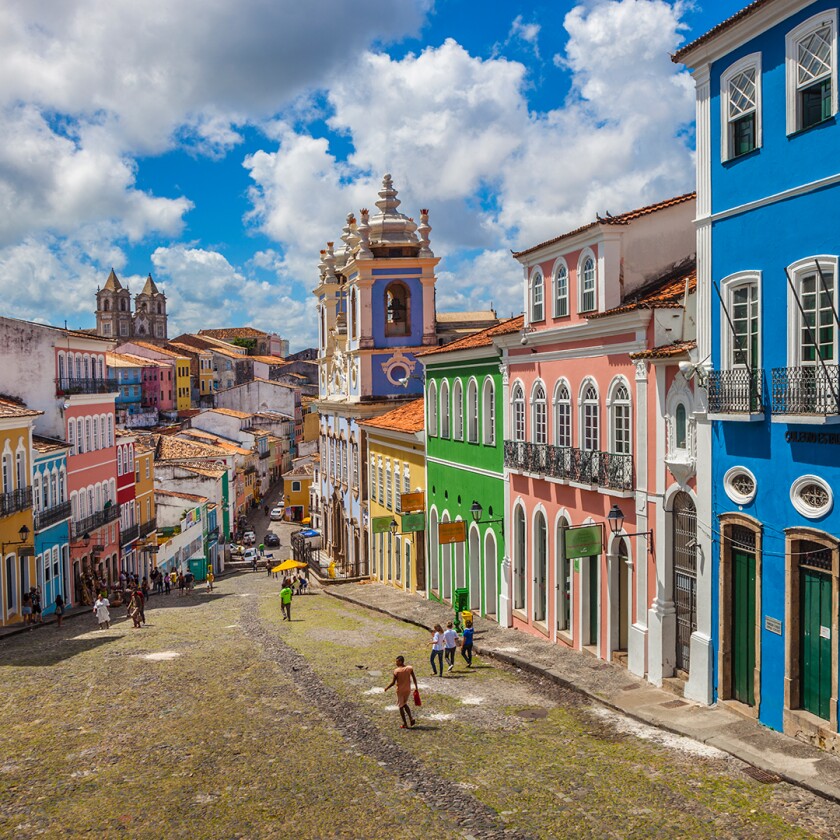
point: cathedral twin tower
(114, 318)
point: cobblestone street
(218, 720)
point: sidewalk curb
(15, 630)
(535, 670)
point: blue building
(51, 508)
(768, 243)
(129, 375)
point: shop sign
(452, 532)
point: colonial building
(768, 245)
(114, 316)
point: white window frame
(728, 286)
(445, 410)
(586, 254)
(797, 271)
(432, 419)
(517, 413)
(560, 263)
(472, 411)
(556, 403)
(488, 418)
(533, 316)
(748, 62)
(583, 404)
(613, 405)
(792, 40)
(457, 410)
(539, 406)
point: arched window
(561, 291)
(110, 430)
(107, 306)
(61, 377)
(79, 372)
(539, 421)
(96, 433)
(88, 436)
(457, 411)
(590, 419)
(86, 368)
(472, 411)
(540, 567)
(119, 460)
(588, 297)
(519, 559)
(160, 308)
(518, 413)
(432, 419)
(397, 309)
(20, 470)
(562, 415)
(488, 412)
(62, 486)
(620, 419)
(37, 501)
(680, 427)
(7, 472)
(444, 410)
(80, 436)
(537, 296)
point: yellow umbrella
(287, 565)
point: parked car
(249, 537)
(237, 548)
(277, 513)
(251, 554)
(271, 540)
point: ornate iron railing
(45, 518)
(146, 528)
(96, 520)
(736, 391)
(15, 500)
(806, 390)
(569, 463)
(72, 385)
(129, 534)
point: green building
(465, 468)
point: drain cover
(763, 776)
(532, 714)
(673, 704)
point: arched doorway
(620, 597)
(460, 566)
(434, 553)
(519, 559)
(446, 560)
(563, 589)
(684, 518)
(491, 584)
(540, 567)
(475, 570)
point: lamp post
(23, 533)
(615, 519)
(476, 510)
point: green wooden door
(743, 626)
(815, 654)
(593, 599)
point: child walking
(437, 651)
(450, 641)
(467, 644)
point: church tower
(150, 313)
(113, 309)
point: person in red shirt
(403, 675)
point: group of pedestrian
(446, 642)
(31, 609)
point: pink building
(129, 518)
(158, 387)
(599, 416)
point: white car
(277, 513)
(249, 538)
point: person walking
(26, 609)
(437, 651)
(35, 592)
(467, 644)
(403, 675)
(286, 600)
(189, 581)
(100, 610)
(135, 609)
(59, 609)
(167, 584)
(450, 642)
(182, 585)
(210, 578)
(141, 603)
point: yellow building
(396, 463)
(296, 484)
(144, 502)
(17, 529)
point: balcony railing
(568, 463)
(90, 523)
(806, 390)
(146, 528)
(45, 518)
(70, 385)
(265, 454)
(15, 500)
(736, 391)
(129, 534)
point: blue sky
(219, 147)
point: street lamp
(615, 519)
(477, 510)
(23, 533)
(394, 526)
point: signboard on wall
(584, 541)
(452, 532)
(412, 502)
(413, 522)
(380, 524)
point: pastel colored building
(597, 419)
(17, 527)
(144, 504)
(465, 466)
(130, 406)
(768, 246)
(396, 466)
(296, 488)
(129, 526)
(51, 509)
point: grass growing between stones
(568, 773)
(212, 743)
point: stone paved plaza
(218, 720)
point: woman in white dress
(100, 609)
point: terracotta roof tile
(190, 497)
(231, 412)
(171, 448)
(42, 444)
(11, 407)
(479, 339)
(410, 417)
(162, 350)
(666, 351)
(665, 292)
(269, 360)
(721, 27)
(621, 219)
(235, 332)
(455, 317)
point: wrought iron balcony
(568, 463)
(806, 390)
(71, 385)
(266, 454)
(15, 500)
(94, 521)
(146, 528)
(736, 391)
(129, 534)
(45, 518)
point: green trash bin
(198, 567)
(461, 601)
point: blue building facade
(129, 374)
(768, 167)
(51, 508)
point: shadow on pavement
(57, 649)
